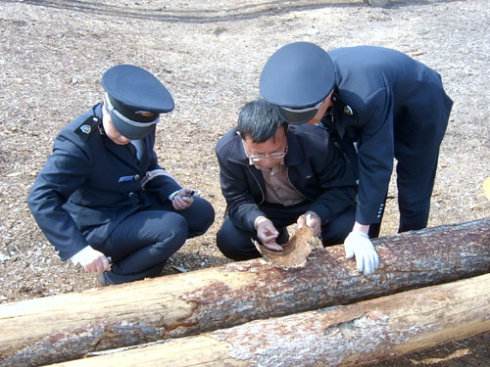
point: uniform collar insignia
(348, 110)
(86, 129)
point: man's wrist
(259, 220)
(76, 258)
(312, 214)
(360, 234)
(172, 196)
(363, 228)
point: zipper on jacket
(258, 183)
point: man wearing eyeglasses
(273, 175)
(379, 104)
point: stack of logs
(254, 314)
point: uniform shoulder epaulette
(87, 126)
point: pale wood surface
(352, 335)
(70, 326)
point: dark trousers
(142, 243)
(236, 243)
(416, 153)
(416, 171)
(418, 136)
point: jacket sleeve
(64, 172)
(376, 152)
(241, 206)
(164, 184)
(337, 181)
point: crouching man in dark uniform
(273, 175)
(102, 199)
(379, 105)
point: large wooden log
(353, 335)
(70, 326)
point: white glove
(359, 245)
(91, 260)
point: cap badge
(348, 110)
(86, 129)
(144, 114)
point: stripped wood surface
(70, 326)
(352, 335)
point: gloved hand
(359, 245)
(312, 220)
(267, 233)
(91, 260)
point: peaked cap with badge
(391, 105)
(134, 98)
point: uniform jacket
(316, 168)
(90, 184)
(381, 97)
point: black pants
(416, 152)
(236, 244)
(142, 243)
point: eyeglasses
(255, 158)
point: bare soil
(209, 54)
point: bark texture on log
(70, 326)
(352, 335)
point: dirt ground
(209, 54)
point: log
(71, 326)
(353, 335)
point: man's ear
(326, 104)
(240, 135)
(330, 96)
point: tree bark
(352, 335)
(70, 326)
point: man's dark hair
(259, 120)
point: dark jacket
(384, 99)
(316, 168)
(90, 184)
